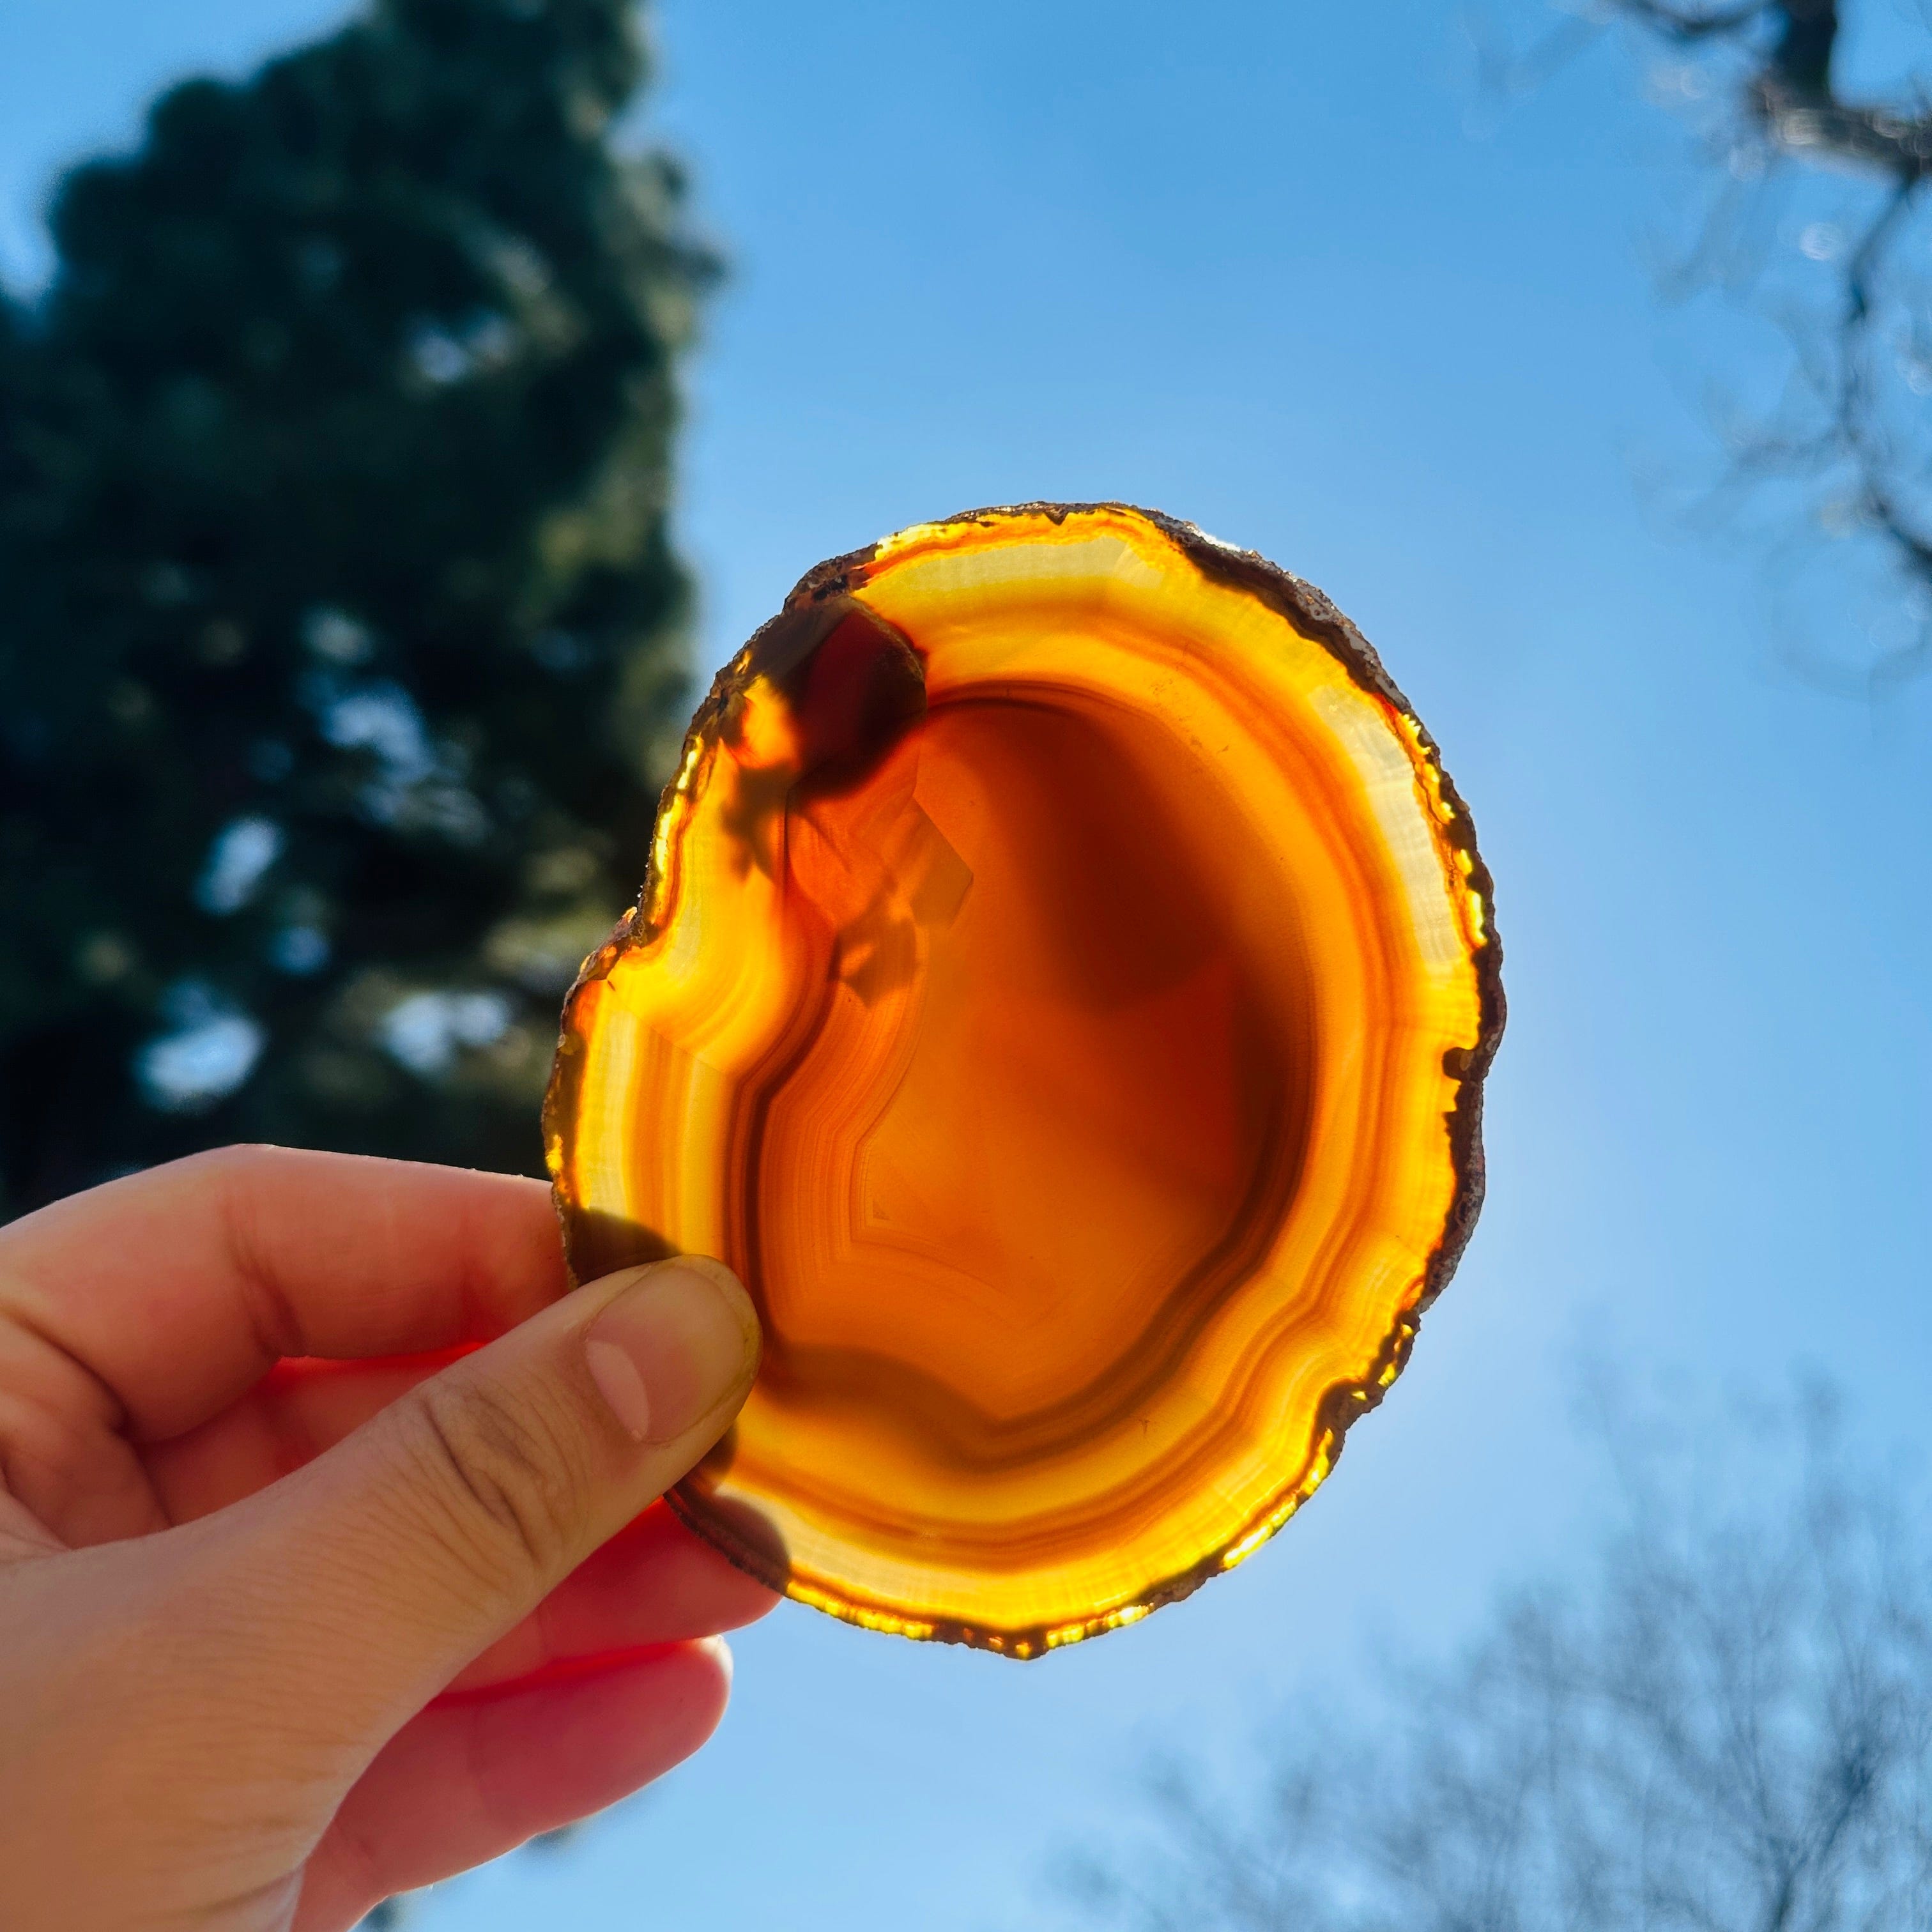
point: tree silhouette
(1727, 1729)
(1814, 211)
(339, 663)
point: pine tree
(338, 616)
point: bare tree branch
(1728, 1730)
(1850, 431)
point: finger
(22, 1534)
(467, 1781)
(348, 1594)
(656, 1582)
(90, 1485)
(294, 1413)
(171, 1292)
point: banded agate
(1061, 990)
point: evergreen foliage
(338, 619)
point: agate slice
(1061, 990)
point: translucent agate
(1061, 990)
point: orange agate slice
(1061, 990)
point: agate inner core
(1061, 992)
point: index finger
(180, 1288)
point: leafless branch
(1730, 1730)
(1851, 424)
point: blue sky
(1261, 274)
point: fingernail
(671, 1348)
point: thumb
(369, 1578)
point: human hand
(276, 1641)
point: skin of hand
(330, 1561)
